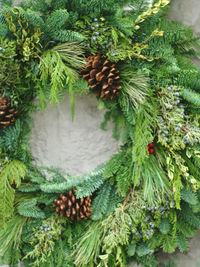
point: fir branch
(100, 203)
(85, 184)
(189, 196)
(57, 19)
(119, 168)
(67, 36)
(191, 96)
(164, 226)
(28, 208)
(91, 183)
(182, 242)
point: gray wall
(76, 146)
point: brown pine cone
(73, 208)
(102, 76)
(7, 113)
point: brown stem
(185, 130)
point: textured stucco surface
(76, 146)
(80, 145)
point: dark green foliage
(9, 73)
(182, 243)
(164, 226)
(131, 250)
(10, 239)
(91, 183)
(191, 96)
(29, 209)
(143, 250)
(148, 260)
(190, 217)
(119, 169)
(144, 134)
(142, 200)
(189, 196)
(14, 141)
(105, 202)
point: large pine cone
(7, 113)
(103, 76)
(73, 208)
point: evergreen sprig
(144, 198)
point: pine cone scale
(102, 75)
(7, 113)
(73, 208)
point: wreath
(147, 196)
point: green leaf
(169, 244)
(10, 172)
(164, 226)
(143, 250)
(101, 201)
(189, 196)
(29, 209)
(182, 243)
(131, 250)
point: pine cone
(7, 113)
(103, 76)
(73, 208)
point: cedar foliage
(13, 171)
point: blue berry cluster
(152, 215)
(98, 35)
(174, 125)
(46, 229)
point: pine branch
(135, 85)
(10, 238)
(87, 249)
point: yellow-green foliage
(9, 71)
(11, 172)
(27, 38)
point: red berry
(151, 150)
(151, 145)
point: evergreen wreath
(147, 197)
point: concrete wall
(76, 146)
